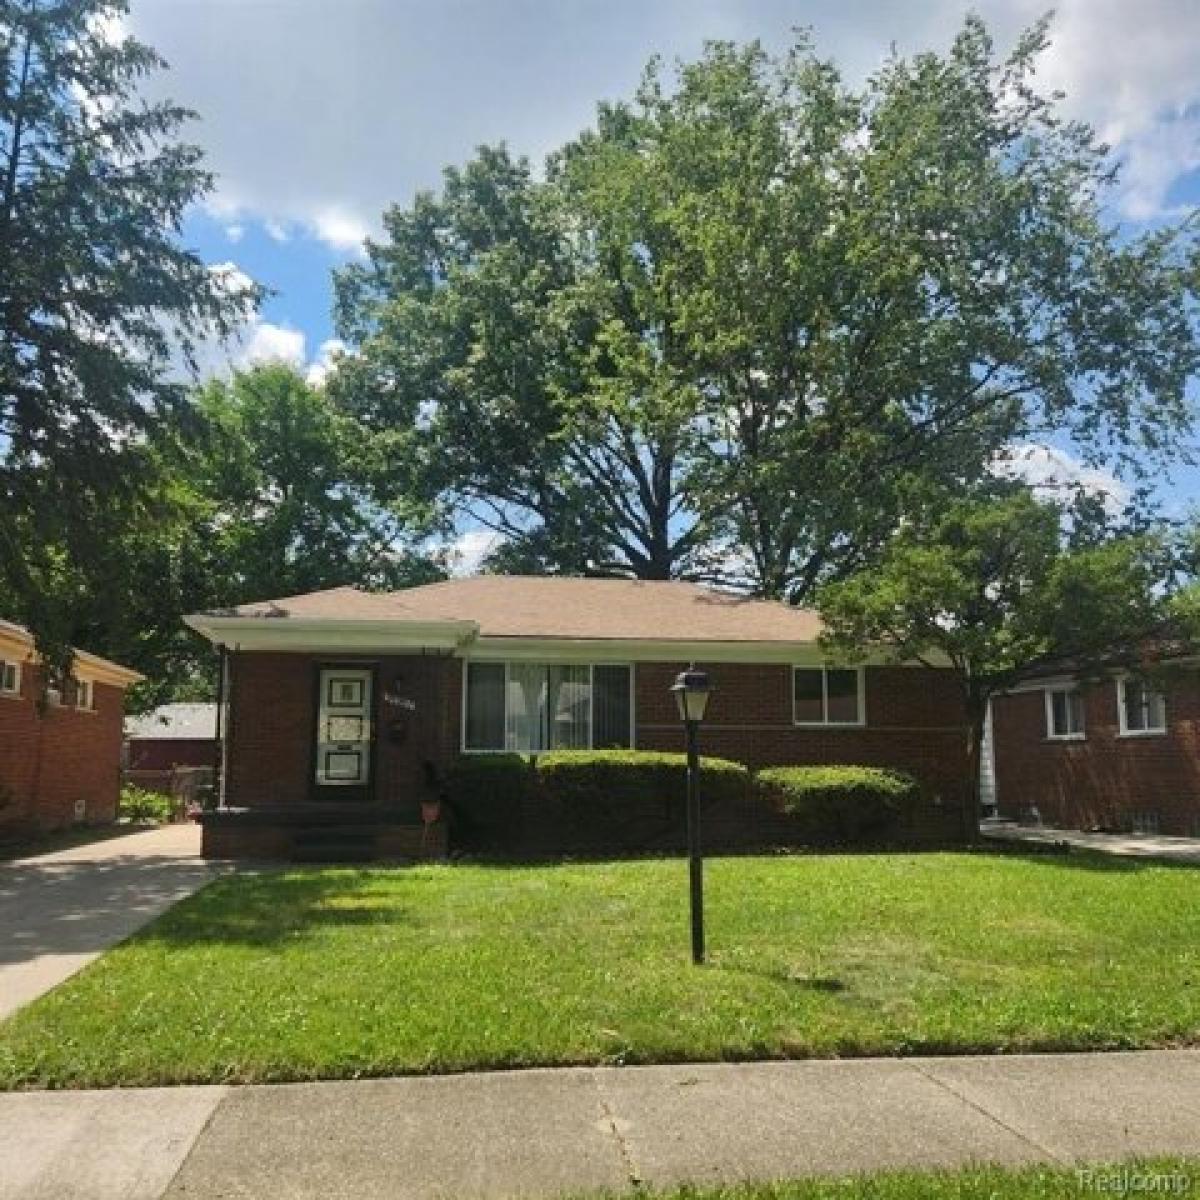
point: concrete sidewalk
(58, 911)
(546, 1133)
(1124, 845)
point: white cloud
(235, 233)
(257, 341)
(1051, 472)
(322, 120)
(340, 229)
(327, 355)
(466, 553)
(265, 343)
(1129, 68)
(276, 230)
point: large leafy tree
(269, 493)
(993, 584)
(100, 304)
(475, 333)
(744, 315)
(283, 480)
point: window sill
(1142, 733)
(11, 696)
(829, 724)
(1066, 737)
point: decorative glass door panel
(344, 728)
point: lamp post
(692, 690)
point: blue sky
(316, 114)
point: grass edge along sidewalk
(1162, 1177)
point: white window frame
(1063, 690)
(860, 675)
(90, 686)
(1149, 731)
(13, 692)
(506, 749)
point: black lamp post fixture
(692, 690)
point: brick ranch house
(342, 706)
(60, 764)
(1118, 753)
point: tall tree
(283, 480)
(98, 300)
(268, 493)
(993, 584)
(871, 286)
(744, 315)
(477, 335)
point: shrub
(631, 799)
(636, 775)
(567, 801)
(486, 795)
(841, 803)
(139, 805)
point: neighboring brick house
(60, 763)
(1121, 753)
(170, 742)
(343, 705)
(172, 735)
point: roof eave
(299, 634)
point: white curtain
(549, 707)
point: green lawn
(340, 973)
(1179, 1177)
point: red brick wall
(51, 760)
(1104, 779)
(429, 733)
(914, 721)
(161, 754)
(272, 724)
(271, 720)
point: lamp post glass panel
(692, 690)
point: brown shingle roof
(553, 607)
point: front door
(344, 733)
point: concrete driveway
(1124, 845)
(59, 911)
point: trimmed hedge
(569, 800)
(841, 804)
(636, 775)
(487, 795)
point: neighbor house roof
(17, 640)
(540, 607)
(174, 722)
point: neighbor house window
(1064, 713)
(531, 707)
(54, 689)
(827, 696)
(1141, 708)
(84, 693)
(10, 678)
